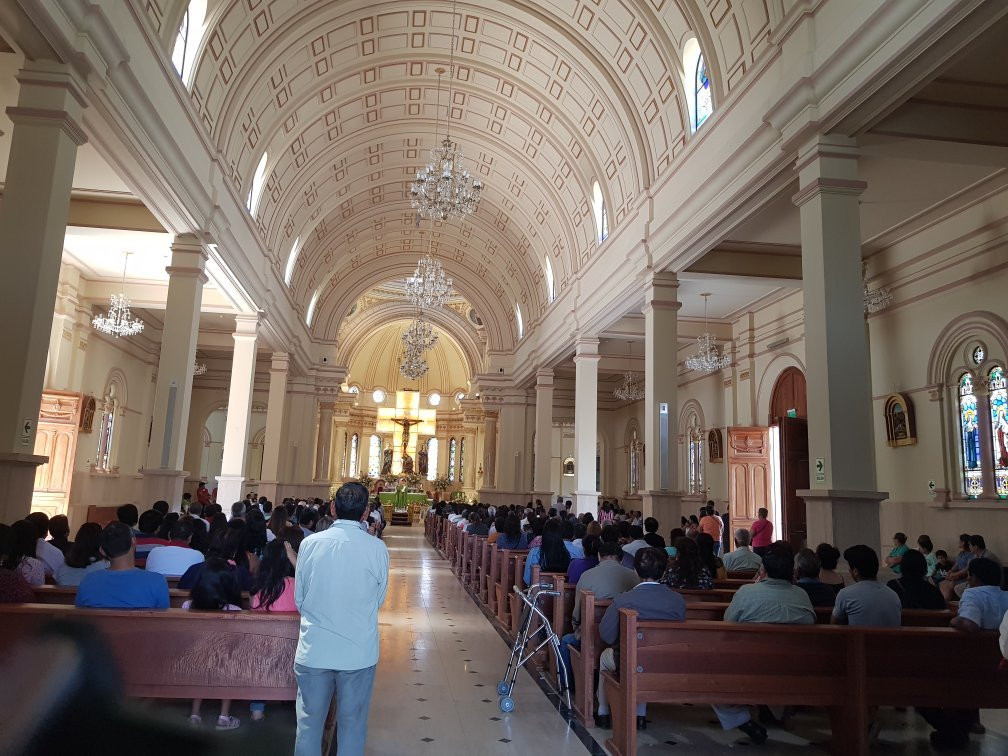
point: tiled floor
(435, 690)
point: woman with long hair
(84, 556)
(705, 545)
(216, 590)
(512, 537)
(273, 588)
(687, 570)
(21, 553)
(551, 554)
(277, 522)
(14, 589)
(227, 544)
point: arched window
(187, 42)
(451, 459)
(432, 458)
(970, 428)
(703, 105)
(519, 322)
(461, 457)
(601, 217)
(310, 315)
(292, 261)
(693, 443)
(258, 181)
(999, 428)
(374, 456)
(550, 284)
(353, 455)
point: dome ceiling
(547, 98)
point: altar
(414, 503)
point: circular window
(353, 390)
(978, 355)
(434, 399)
(459, 396)
(378, 396)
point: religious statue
(407, 463)
(386, 465)
(422, 464)
(406, 424)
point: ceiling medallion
(875, 300)
(632, 389)
(119, 321)
(708, 358)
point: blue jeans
(353, 698)
(565, 643)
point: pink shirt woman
(761, 531)
(284, 602)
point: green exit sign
(792, 413)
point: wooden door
(794, 477)
(749, 477)
(59, 415)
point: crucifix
(406, 422)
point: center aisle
(435, 688)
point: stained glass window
(999, 428)
(461, 459)
(968, 421)
(432, 449)
(374, 456)
(353, 456)
(451, 458)
(703, 104)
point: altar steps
(401, 518)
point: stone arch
(771, 373)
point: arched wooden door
(789, 412)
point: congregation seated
(829, 559)
(806, 575)
(636, 542)
(128, 514)
(512, 536)
(229, 545)
(866, 603)
(177, 557)
(148, 525)
(123, 585)
(14, 588)
(708, 555)
(652, 601)
(84, 557)
(52, 558)
(551, 555)
(21, 553)
(743, 557)
(651, 535)
(577, 567)
(686, 570)
(899, 549)
(983, 604)
(915, 591)
(59, 533)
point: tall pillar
(490, 449)
(586, 359)
(33, 216)
(661, 497)
(274, 425)
(543, 435)
(323, 446)
(229, 489)
(163, 476)
(842, 507)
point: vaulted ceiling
(546, 99)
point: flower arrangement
(441, 483)
(367, 481)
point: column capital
(246, 326)
(50, 95)
(827, 164)
(327, 407)
(661, 291)
(280, 362)
(586, 349)
(544, 377)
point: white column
(323, 446)
(543, 435)
(490, 449)
(661, 495)
(586, 359)
(274, 425)
(33, 215)
(163, 476)
(843, 506)
(239, 411)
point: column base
(17, 483)
(843, 518)
(586, 501)
(230, 489)
(664, 506)
(160, 484)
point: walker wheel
(503, 688)
(507, 704)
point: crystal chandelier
(875, 300)
(419, 337)
(708, 357)
(445, 188)
(198, 368)
(119, 321)
(632, 389)
(413, 364)
(428, 287)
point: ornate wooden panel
(58, 427)
(748, 474)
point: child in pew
(944, 566)
(216, 590)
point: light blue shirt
(340, 583)
(985, 605)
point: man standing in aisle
(341, 580)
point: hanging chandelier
(429, 286)
(708, 358)
(413, 364)
(632, 389)
(420, 336)
(445, 188)
(198, 368)
(875, 300)
(119, 321)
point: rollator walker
(530, 598)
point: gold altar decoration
(406, 422)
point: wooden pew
(744, 575)
(66, 596)
(492, 578)
(476, 566)
(504, 582)
(516, 605)
(844, 669)
(484, 571)
(185, 654)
